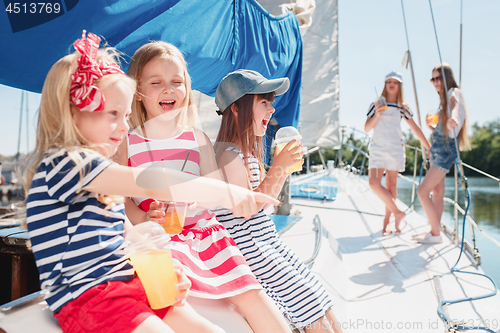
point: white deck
(386, 283)
(378, 283)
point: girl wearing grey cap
(387, 149)
(244, 99)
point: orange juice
(382, 101)
(433, 119)
(174, 221)
(156, 272)
(297, 166)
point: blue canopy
(217, 37)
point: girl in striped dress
(76, 222)
(164, 118)
(244, 99)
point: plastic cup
(175, 216)
(382, 101)
(433, 119)
(152, 261)
(285, 135)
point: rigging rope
(407, 58)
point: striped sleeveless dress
(297, 292)
(210, 257)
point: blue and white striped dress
(77, 241)
(297, 292)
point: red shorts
(114, 306)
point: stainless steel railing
(471, 249)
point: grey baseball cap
(244, 81)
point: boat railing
(318, 230)
(471, 249)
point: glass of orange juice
(152, 261)
(285, 135)
(433, 119)
(382, 101)
(175, 216)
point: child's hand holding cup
(285, 135)
(152, 260)
(175, 216)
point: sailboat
(377, 283)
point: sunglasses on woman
(436, 78)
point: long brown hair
(401, 99)
(449, 78)
(237, 128)
(162, 50)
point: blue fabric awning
(217, 37)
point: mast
(409, 61)
(460, 66)
(20, 126)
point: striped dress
(298, 293)
(210, 258)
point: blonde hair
(188, 117)
(401, 99)
(463, 138)
(56, 128)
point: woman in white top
(387, 150)
(450, 130)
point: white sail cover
(319, 114)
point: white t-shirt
(457, 94)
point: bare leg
(438, 197)
(391, 183)
(387, 219)
(153, 324)
(432, 181)
(260, 312)
(336, 325)
(320, 325)
(186, 319)
(328, 323)
(374, 179)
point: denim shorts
(443, 152)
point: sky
(372, 43)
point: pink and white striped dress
(209, 255)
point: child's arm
(134, 213)
(371, 121)
(174, 185)
(276, 176)
(137, 215)
(418, 132)
(234, 171)
(208, 164)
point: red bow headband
(83, 92)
